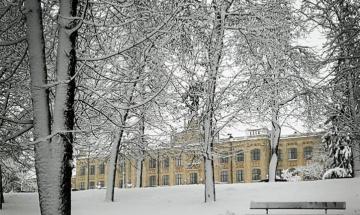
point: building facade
(236, 160)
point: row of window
(179, 180)
(193, 179)
(224, 158)
(255, 155)
(165, 163)
(101, 169)
(99, 184)
(239, 175)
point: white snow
(232, 199)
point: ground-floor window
(152, 181)
(100, 184)
(178, 179)
(224, 176)
(165, 180)
(92, 185)
(240, 175)
(256, 174)
(193, 178)
(82, 185)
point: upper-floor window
(178, 161)
(308, 152)
(166, 163)
(292, 153)
(255, 154)
(152, 163)
(224, 157)
(82, 170)
(102, 168)
(240, 156)
(92, 170)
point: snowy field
(232, 199)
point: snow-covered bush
(338, 145)
(336, 172)
(310, 172)
(290, 175)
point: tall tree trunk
(1, 189)
(52, 158)
(208, 129)
(215, 50)
(140, 159)
(110, 187)
(139, 171)
(63, 119)
(274, 143)
(115, 150)
(40, 101)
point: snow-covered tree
(340, 21)
(279, 70)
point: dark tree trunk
(1, 189)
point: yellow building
(236, 160)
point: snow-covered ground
(232, 199)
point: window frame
(152, 181)
(165, 178)
(292, 153)
(178, 179)
(92, 170)
(193, 178)
(308, 156)
(166, 163)
(152, 163)
(224, 176)
(256, 174)
(238, 175)
(240, 156)
(101, 168)
(224, 158)
(255, 154)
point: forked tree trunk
(53, 158)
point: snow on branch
(17, 121)
(133, 45)
(13, 42)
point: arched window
(255, 154)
